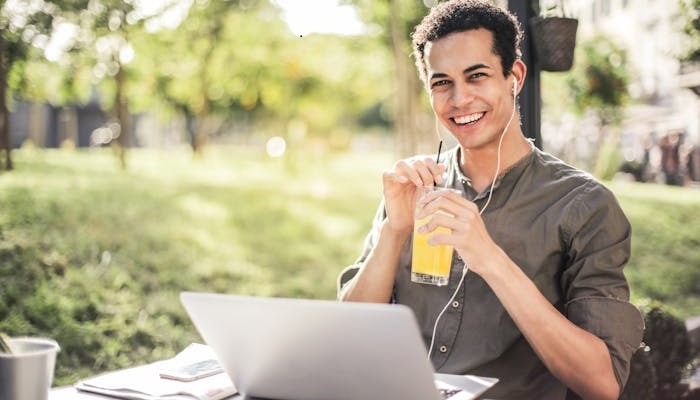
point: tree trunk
(122, 114)
(196, 131)
(5, 141)
(404, 123)
(201, 134)
(190, 127)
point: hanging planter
(554, 38)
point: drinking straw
(439, 136)
(437, 132)
(437, 158)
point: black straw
(437, 159)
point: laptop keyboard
(447, 393)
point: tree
(690, 11)
(104, 43)
(185, 83)
(226, 61)
(598, 83)
(200, 68)
(25, 27)
(97, 56)
(394, 21)
(232, 61)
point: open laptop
(301, 349)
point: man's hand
(400, 184)
(375, 279)
(468, 236)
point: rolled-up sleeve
(617, 322)
(346, 276)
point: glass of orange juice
(430, 264)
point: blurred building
(651, 32)
(665, 94)
(45, 125)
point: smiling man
(537, 296)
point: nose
(461, 94)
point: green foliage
(670, 348)
(657, 369)
(22, 27)
(599, 79)
(597, 85)
(690, 13)
(609, 157)
(96, 258)
(25, 29)
(665, 256)
(227, 61)
(641, 383)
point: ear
(519, 72)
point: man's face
(468, 92)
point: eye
(439, 83)
(477, 75)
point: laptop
(303, 349)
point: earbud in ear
(515, 87)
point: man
(543, 305)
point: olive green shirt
(567, 232)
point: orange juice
(430, 264)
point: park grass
(95, 256)
(665, 262)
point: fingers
(449, 219)
(448, 209)
(446, 230)
(448, 201)
(419, 171)
(392, 176)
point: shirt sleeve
(595, 287)
(618, 323)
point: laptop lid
(283, 348)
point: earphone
(515, 88)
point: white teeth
(469, 118)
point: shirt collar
(461, 178)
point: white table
(70, 393)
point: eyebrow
(465, 71)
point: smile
(468, 119)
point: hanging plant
(554, 37)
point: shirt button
(455, 304)
(443, 349)
(459, 258)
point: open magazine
(193, 373)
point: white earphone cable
(488, 200)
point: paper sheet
(145, 383)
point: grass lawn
(665, 262)
(95, 257)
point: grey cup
(27, 373)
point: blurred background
(166, 73)
(154, 146)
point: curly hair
(463, 15)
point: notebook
(282, 348)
